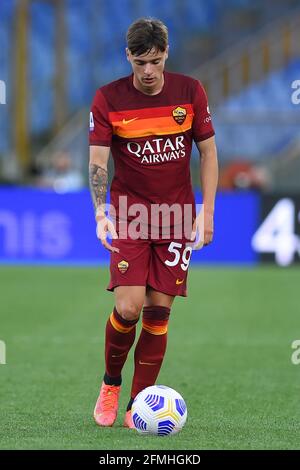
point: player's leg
(119, 337)
(128, 268)
(167, 278)
(152, 343)
(154, 297)
(120, 330)
(151, 346)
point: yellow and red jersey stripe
(150, 121)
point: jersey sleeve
(100, 126)
(202, 124)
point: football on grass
(159, 410)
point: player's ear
(167, 52)
(127, 54)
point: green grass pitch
(229, 355)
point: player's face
(148, 70)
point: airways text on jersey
(158, 150)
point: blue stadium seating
(95, 55)
(41, 65)
(261, 130)
(6, 75)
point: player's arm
(208, 172)
(209, 181)
(203, 135)
(98, 179)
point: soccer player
(148, 120)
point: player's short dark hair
(146, 34)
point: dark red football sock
(119, 337)
(151, 347)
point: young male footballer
(148, 120)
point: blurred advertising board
(44, 227)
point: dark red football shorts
(160, 264)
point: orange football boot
(128, 423)
(106, 409)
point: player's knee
(129, 310)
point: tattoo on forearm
(98, 184)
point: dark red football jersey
(151, 137)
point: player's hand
(204, 226)
(104, 227)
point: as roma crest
(123, 266)
(179, 114)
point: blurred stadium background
(54, 54)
